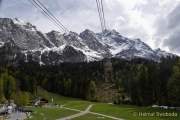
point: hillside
(98, 111)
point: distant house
(40, 102)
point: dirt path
(78, 114)
(107, 116)
(87, 111)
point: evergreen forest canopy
(139, 82)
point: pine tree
(91, 93)
(2, 98)
(67, 86)
(174, 86)
(9, 85)
(21, 98)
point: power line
(52, 14)
(104, 20)
(46, 15)
(49, 15)
(101, 14)
(44, 12)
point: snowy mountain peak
(110, 32)
(25, 25)
(158, 50)
(54, 47)
(71, 33)
(137, 40)
(163, 53)
(18, 21)
(87, 31)
(54, 32)
(6, 21)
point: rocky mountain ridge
(31, 44)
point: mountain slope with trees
(140, 82)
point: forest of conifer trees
(142, 82)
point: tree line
(141, 82)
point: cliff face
(22, 41)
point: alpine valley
(97, 67)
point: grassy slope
(121, 111)
(91, 117)
(66, 101)
(54, 113)
(50, 113)
(127, 112)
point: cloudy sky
(156, 22)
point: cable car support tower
(108, 69)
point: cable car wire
(44, 12)
(52, 15)
(101, 14)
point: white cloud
(132, 18)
